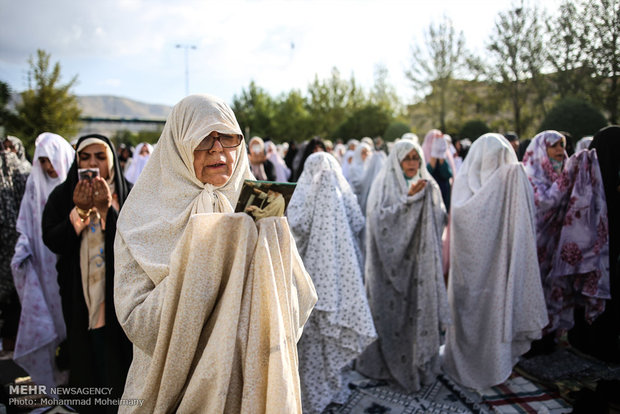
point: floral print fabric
(325, 220)
(14, 171)
(571, 231)
(404, 276)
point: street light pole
(186, 47)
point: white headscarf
(152, 221)
(583, 143)
(41, 326)
(393, 168)
(138, 163)
(372, 170)
(495, 291)
(411, 137)
(358, 167)
(60, 153)
(283, 173)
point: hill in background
(107, 106)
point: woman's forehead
(93, 149)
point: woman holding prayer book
(213, 302)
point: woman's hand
(82, 195)
(102, 197)
(416, 187)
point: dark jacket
(111, 352)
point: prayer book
(262, 199)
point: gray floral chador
(404, 275)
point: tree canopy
(47, 104)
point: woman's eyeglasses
(226, 141)
(411, 159)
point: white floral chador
(326, 220)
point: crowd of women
(397, 261)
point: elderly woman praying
(213, 302)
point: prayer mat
(520, 395)
(375, 397)
(567, 370)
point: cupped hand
(102, 196)
(83, 195)
(417, 187)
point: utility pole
(186, 47)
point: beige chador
(212, 301)
(219, 336)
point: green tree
(395, 129)
(123, 136)
(566, 52)
(516, 46)
(291, 121)
(383, 94)
(332, 101)
(436, 67)
(474, 129)
(47, 104)
(602, 18)
(371, 120)
(254, 110)
(8, 119)
(575, 116)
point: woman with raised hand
(571, 232)
(404, 276)
(213, 302)
(326, 222)
(494, 290)
(41, 325)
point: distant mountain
(107, 106)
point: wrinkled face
(94, 156)
(47, 167)
(411, 164)
(215, 165)
(556, 151)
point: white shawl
(41, 325)
(213, 303)
(494, 291)
(358, 168)
(138, 162)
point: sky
(154, 51)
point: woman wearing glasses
(213, 302)
(404, 278)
